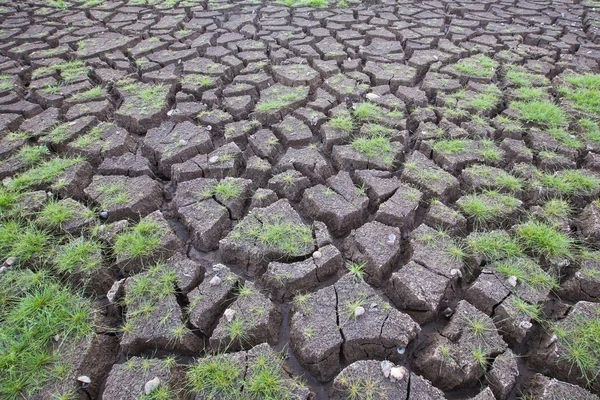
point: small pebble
(115, 291)
(391, 239)
(84, 379)
(314, 120)
(405, 235)
(208, 128)
(372, 96)
(218, 267)
(360, 310)
(401, 350)
(512, 281)
(526, 325)
(456, 272)
(386, 368)
(151, 385)
(229, 314)
(3, 269)
(553, 339)
(215, 281)
(397, 373)
(373, 307)
(447, 312)
(182, 142)
(10, 261)
(213, 160)
(317, 254)
(170, 112)
(104, 214)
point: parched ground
(299, 199)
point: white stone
(151, 385)
(84, 379)
(512, 281)
(213, 160)
(391, 239)
(456, 272)
(386, 368)
(229, 314)
(526, 325)
(116, 291)
(215, 281)
(317, 254)
(358, 311)
(372, 96)
(397, 373)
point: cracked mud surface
(383, 180)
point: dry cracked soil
(300, 199)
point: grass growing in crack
(481, 357)
(526, 271)
(79, 255)
(226, 189)
(453, 146)
(356, 271)
(214, 377)
(494, 245)
(282, 98)
(56, 213)
(113, 194)
(486, 207)
(533, 311)
(342, 121)
(302, 302)
(569, 181)
(479, 65)
(91, 94)
(590, 130)
(290, 238)
(45, 172)
(582, 342)
(544, 239)
(35, 311)
(375, 147)
(139, 241)
(362, 388)
(541, 112)
(585, 94)
(24, 240)
(32, 155)
(556, 208)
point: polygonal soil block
(103, 141)
(433, 249)
(73, 181)
(455, 356)
(289, 184)
(440, 216)
(155, 322)
(126, 381)
(554, 350)
(128, 164)
(189, 272)
(92, 357)
(256, 320)
(345, 157)
(206, 205)
(589, 223)
(275, 232)
(419, 291)
(225, 161)
(367, 375)
(125, 197)
(144, 105)
(175, 143)
(277, 101)
(292, 132)
(158, 240)
(80, 217)
(318, 339)
(285, 280)
(380, 185)
(326, 205)
(400, 209)
(208, 301)
(433, 181)
(584, 284)
(503, 374)
(308, 161)
(540, 387)
(377, 246)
